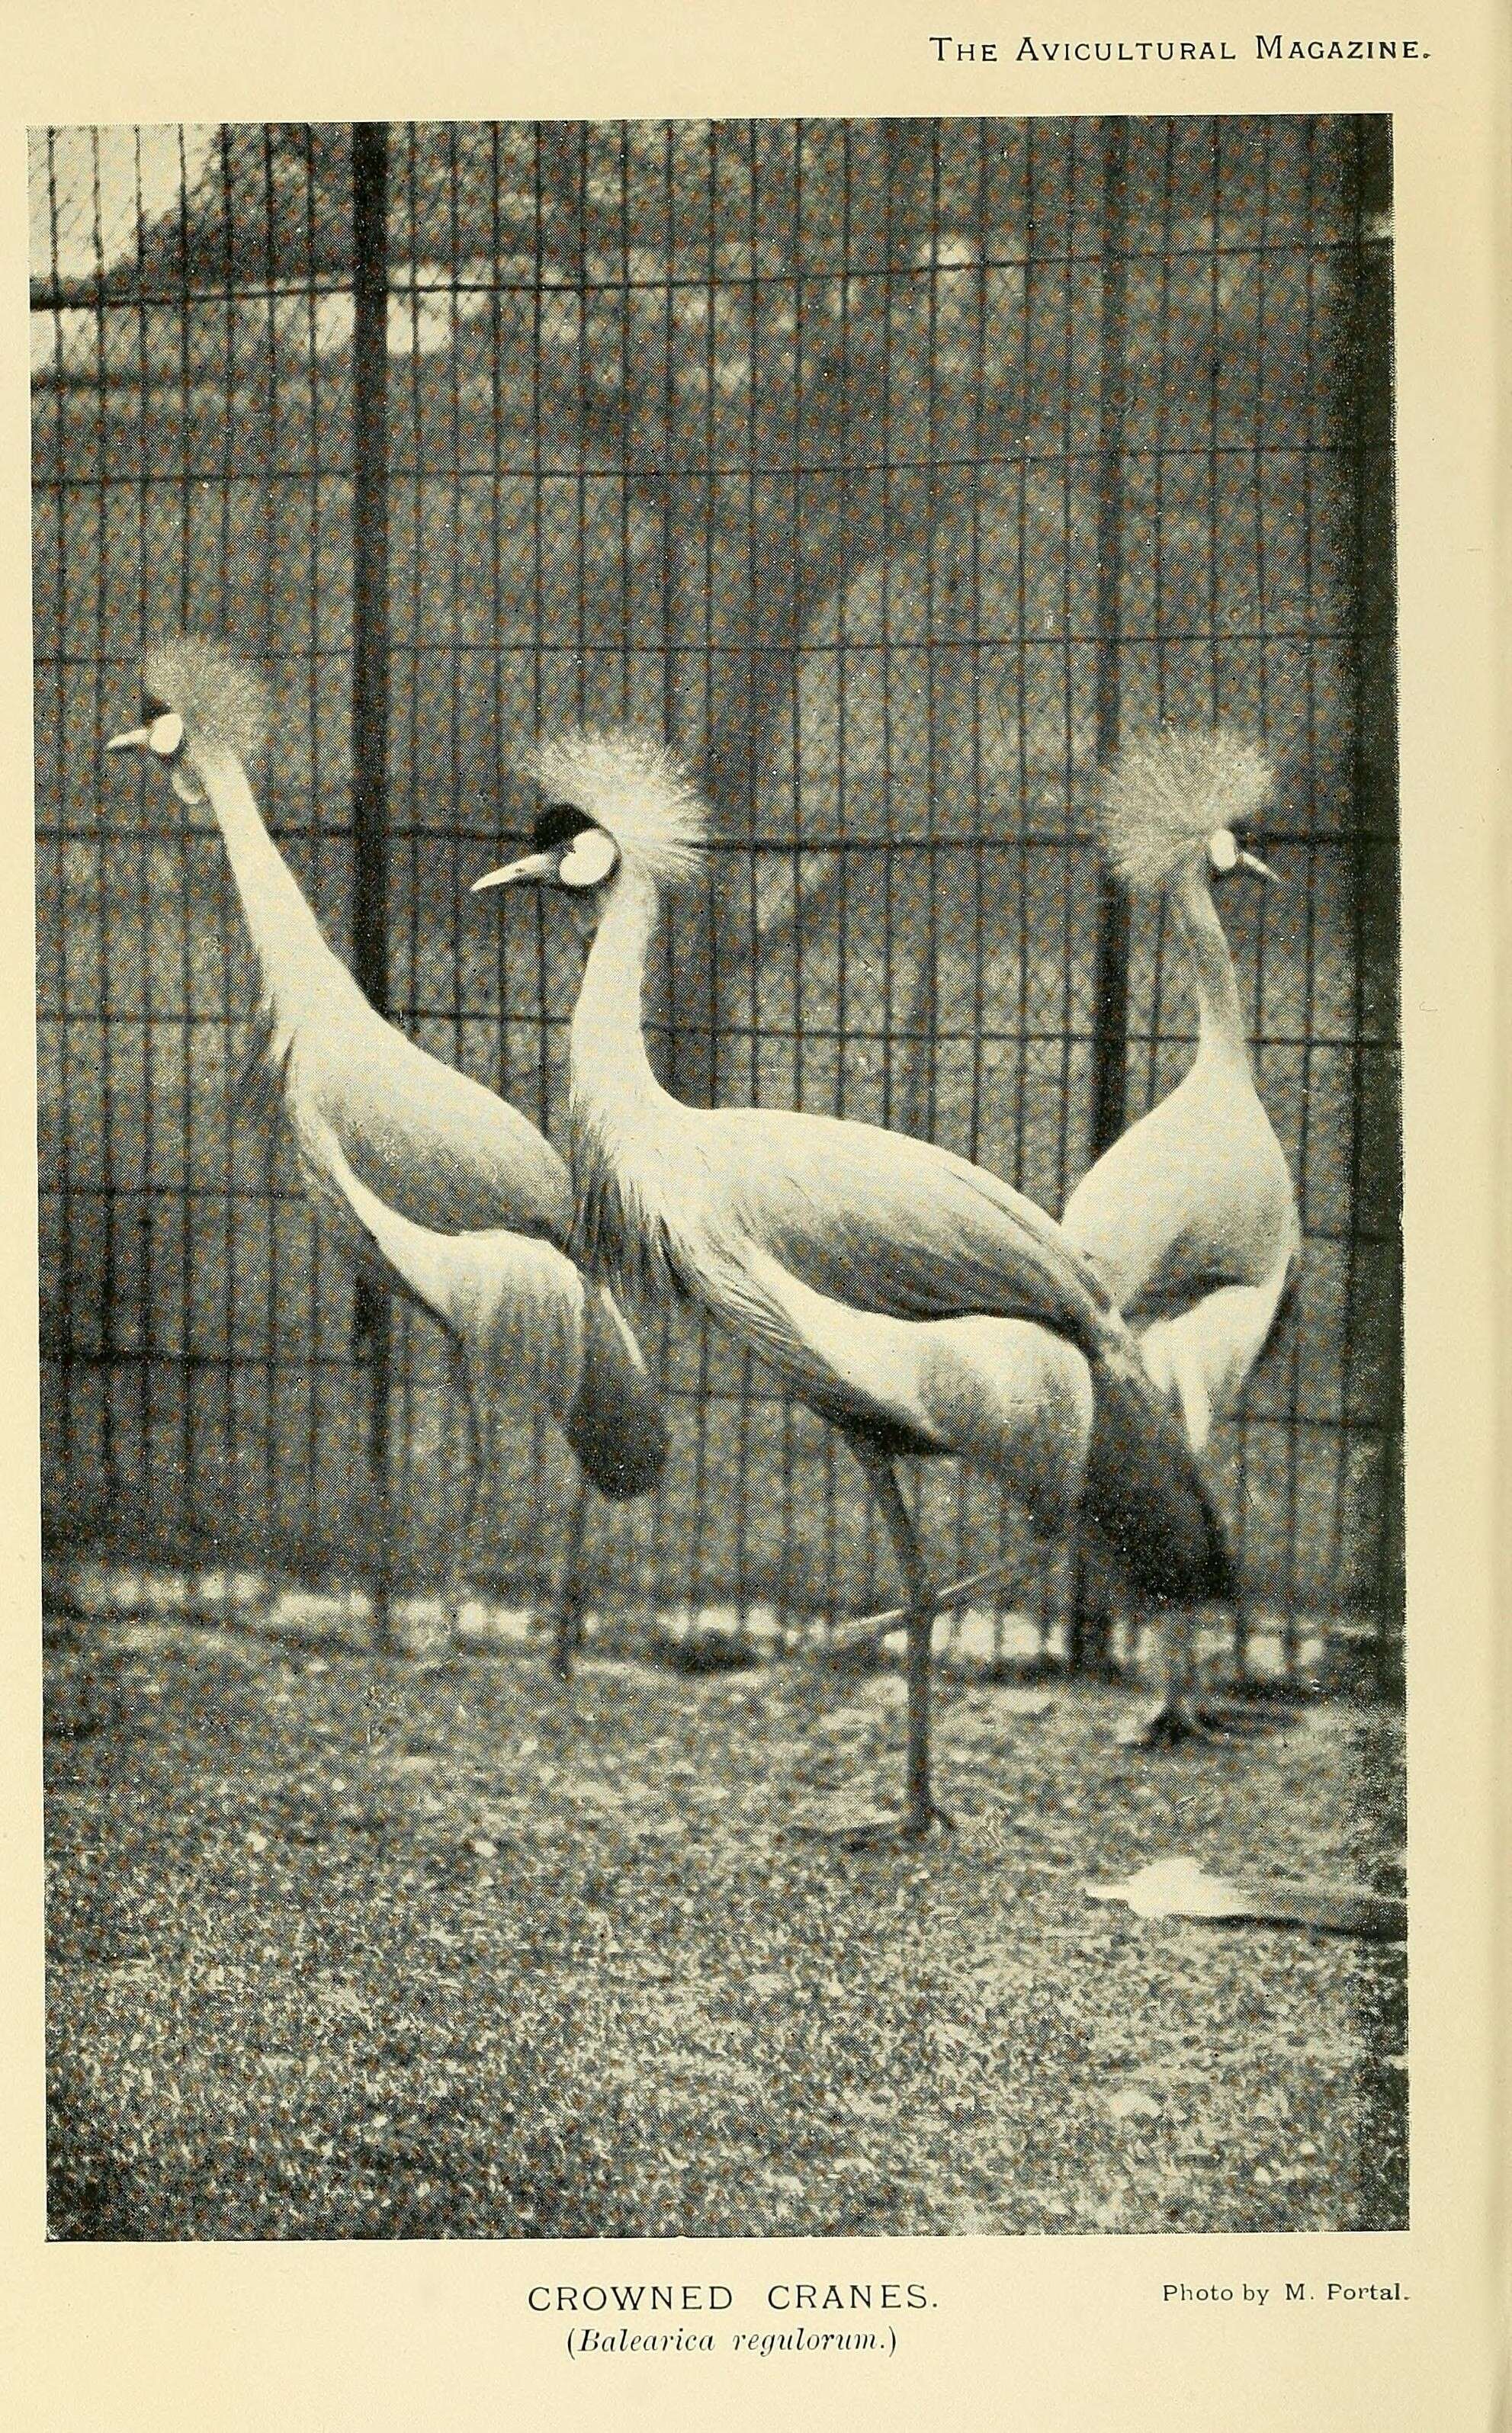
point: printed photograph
(719, 1178)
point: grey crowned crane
(913, 1300)
(432, 1182)
(1190, 1218)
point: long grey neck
(613, 1086)
(293, 957)
(1220, 1022)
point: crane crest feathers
(222, 700)
(1169, 792)
(635, 789)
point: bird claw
(883, 1832)
(567, 1643)
(1175, 1726)
(1247, 1721)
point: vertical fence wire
(1375, 1148)
(1086, 1626)
(370, 721)
(1111, 990)
(893, 469)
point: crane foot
(565, 1641)
(883, 1832)
(1249, 1720)
(1176, 1726)
(1173, 1727)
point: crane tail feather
(614, 1426)
(1147, 1496)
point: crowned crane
(433, 1183)
(1190, 1218)
(913, 1300)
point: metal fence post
(1087, 1633)
(1110, 1020)
(1375, 1144)
(370, 727)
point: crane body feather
(1190, 1218)
(436, 1145)
(1193, 1198)
(1205, 1352)
(910, 1298)
(528, 1326)
(517, 1299)
(878, 1220)
(432, 1182)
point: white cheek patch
(589, 859)
(1223, 850)
(165, 735)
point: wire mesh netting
(894, 471)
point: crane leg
(573, 1588)
(476, 1464)
(1182, 1718)
(921, 1810)
(1089, 1620)
(1172, 1721)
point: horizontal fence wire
(894, 470)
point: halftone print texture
(896, 474)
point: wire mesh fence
(895, 470)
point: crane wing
(893, 1225)
(438, 1146)
(435, 1145)
(512, 1301)
(1192, 1198)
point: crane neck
(632, 1168)
(286, 937)
(614, 1088)
(1220, 1020)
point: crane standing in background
(433, 1181)
(1190, 1218)
(913, 1300)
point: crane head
(1179, 793)
(1226, 853)
(197, 697)
(617, 800)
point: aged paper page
(1191, 2285)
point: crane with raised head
(1190, 1218)
(433, 1183)
(913, 1300)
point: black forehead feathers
(153, 707)
(557, 824)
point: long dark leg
(1087, 1632)
(1243, 1718)
(921, 1811)
(477, 1463)
(1173, 1720)
(477, 1452)
(1182, 1716)
(573, 1588)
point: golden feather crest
(1169, 792)
(224, 701)
(632, 787)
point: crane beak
(1261, 869)
(135, 740)
(531, 866)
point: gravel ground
(350, 1947)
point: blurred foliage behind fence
(797, 442)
